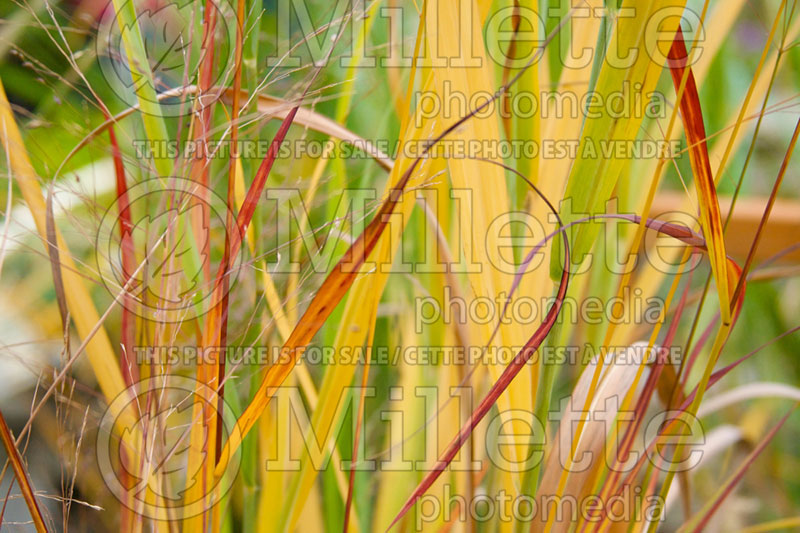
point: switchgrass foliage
(293, 265)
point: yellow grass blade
(99, 350)
(592, 179)
(469, 74)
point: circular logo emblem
(171, 32)
(158, 481)
(169, 227)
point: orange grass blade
(710, 218)
(22, 475)
(217, 316)
(328, 296)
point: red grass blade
(130, 372)
(506, 377)
(229, 222)
(713, 380)
(767, 210)
(681, 233)
(497, 389)
(733, 480)
(710, 219)
(202, 121)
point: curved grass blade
(510, 372)
(680, 233)
(269, 106)
(592, 179)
